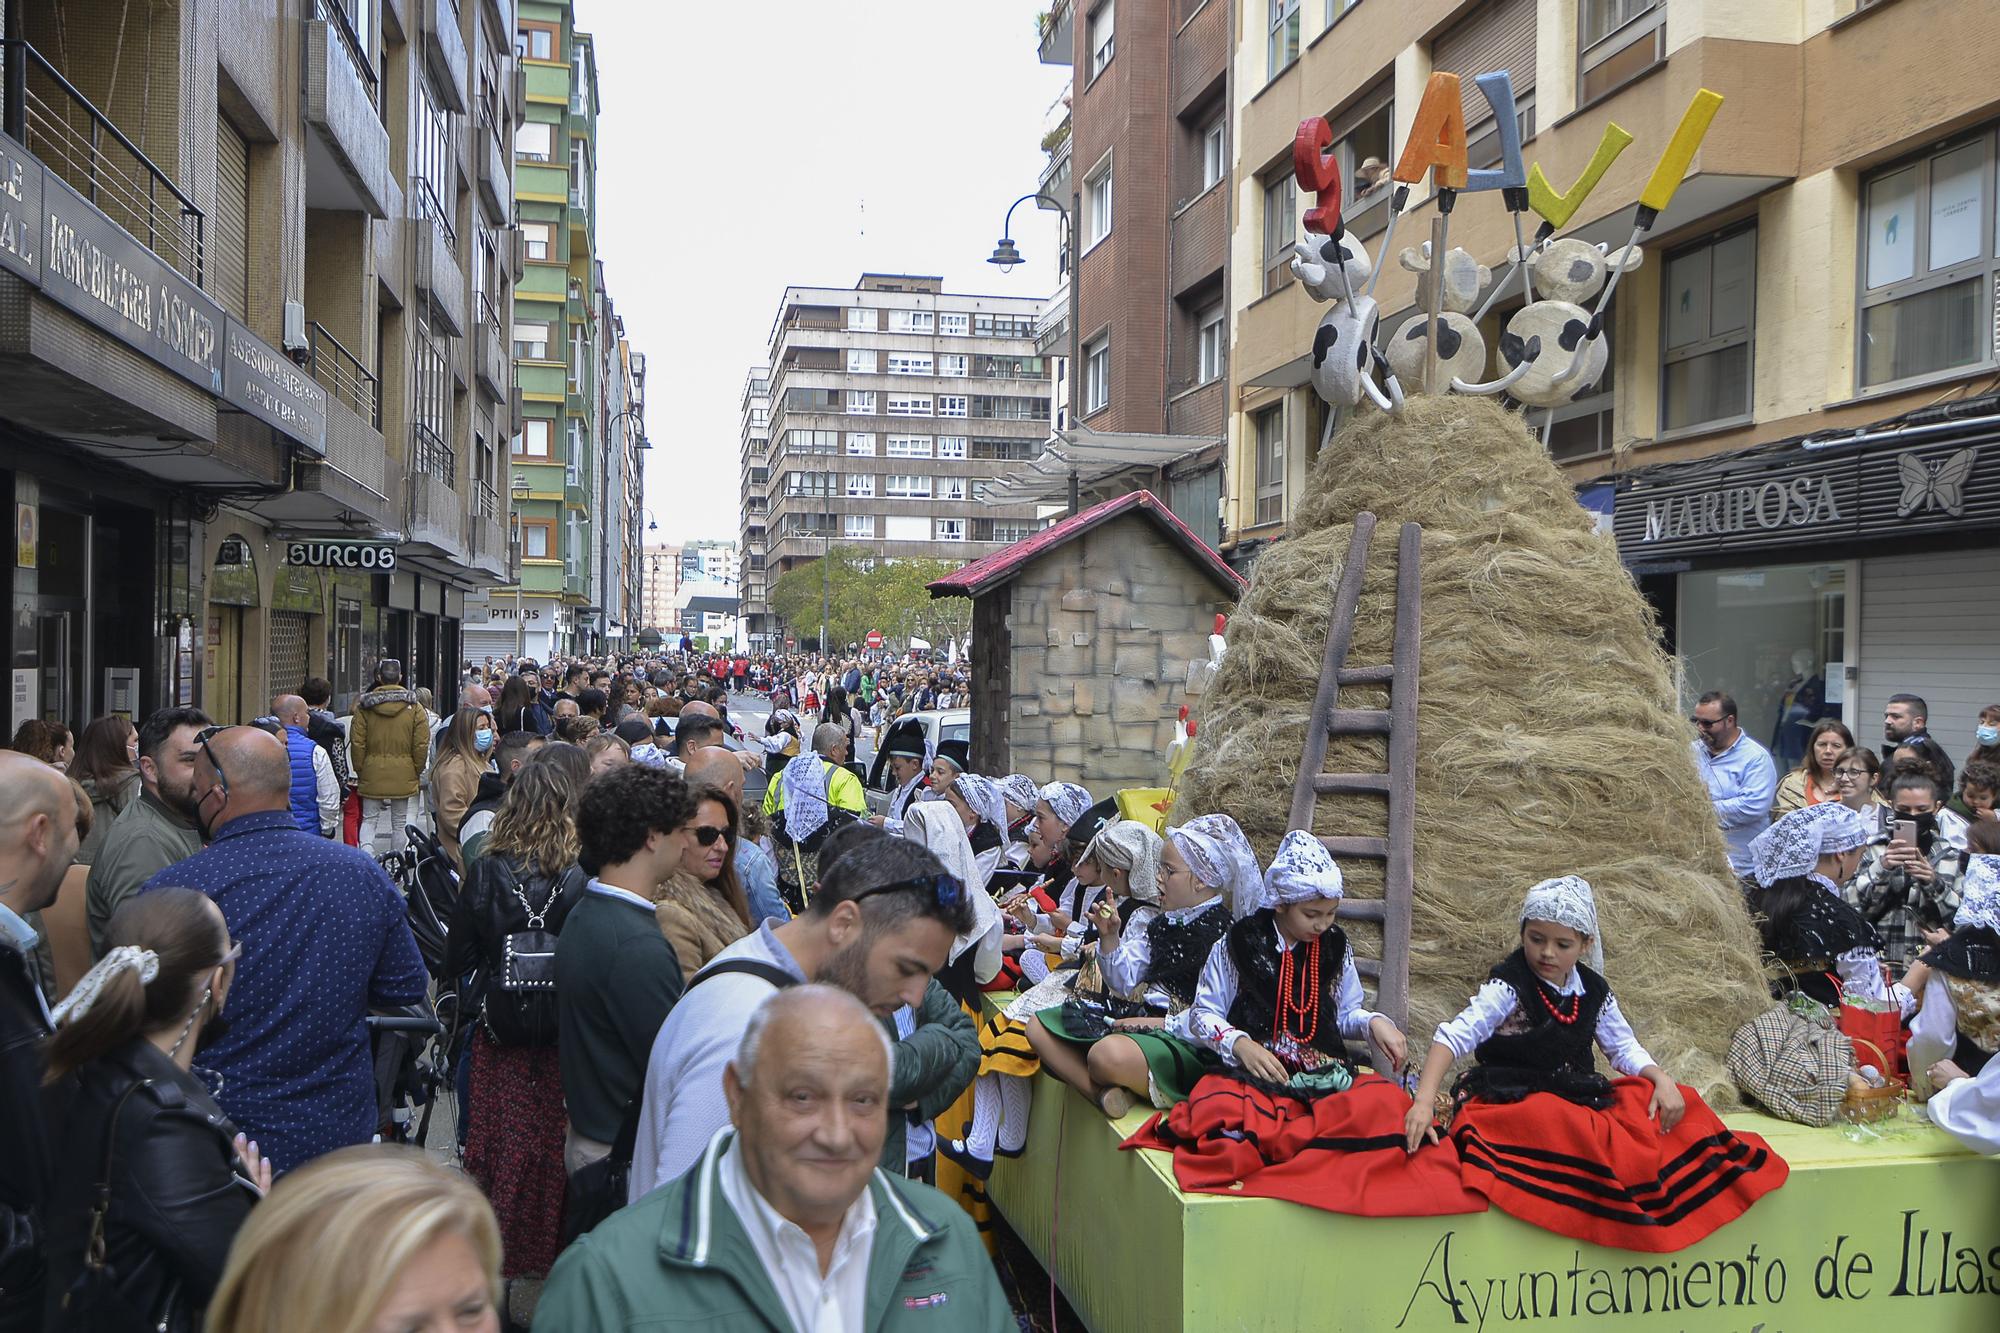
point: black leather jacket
(24, 1160)
(176, 1198)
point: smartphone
(1905, 831)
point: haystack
(1550, 740)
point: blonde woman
(364, 1240)
(464, 752)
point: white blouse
(1207, 1022)
(1495, 1002)
(1124, 968)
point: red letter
(1313, 163)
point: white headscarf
(1790, 848)
(984, 798)
(1303, 869)
(1567, 901)
(1020, 789)
(1126, 844)
(805, 784)
(937, 826)
(1216, 850)
(1979, 894)
(1068, 800)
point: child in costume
(1957, 1032)
(1826, 947)
(1640, 1163)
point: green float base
(1898, 1234)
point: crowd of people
(726, 1054)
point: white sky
(747, 148)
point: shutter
(1497, 34)
(229, 225)
(287, 654)
(1930, 626)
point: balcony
(1058, 27)
(436, 514)
(501, 12)
(491, 362)
(486, 543)
(1200, 240)
(496, 181)
(347, 145)
(435, 260)
(444, 51)
(342, 375)
(356, 478)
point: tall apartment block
(753, 581)
(895, 407)
(1141, 162)
(251, 419)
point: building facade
(245, 252)
(1792, 434)
(754, 512)
(894, 407)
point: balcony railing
(342, 374)
(485, 500)
(63, 128)
(334, 13)
(431, 456)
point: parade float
(1445, 673)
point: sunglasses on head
(706, 834)
(945, 890)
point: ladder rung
(1372, 847)
(1357, 721)
(1375, 675)
(1362, 909)
(1370, 968)
(1327, 784)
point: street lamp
(1006, 256)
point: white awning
(1091, 456)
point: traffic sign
(874, 638)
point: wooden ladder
(1390, 973)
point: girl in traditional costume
(983, 810)
(1957, 1032)
(1823, 945)
(1638, 1164)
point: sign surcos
(375, 557)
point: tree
(864, 592)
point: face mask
(482, 741)
(1988, 735)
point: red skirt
(1342, 1152)
(514, 1149)
(1610, 1177)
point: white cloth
(1969, 1109)
(1220, 857)
(1128, 845)
(1933, 1034)
(326, 794)
(806, 782)
(1301, 870)
(1208, 1021)
(1124, 968)
(1495, 1002)
(1791, 847)
(899, 804)
(1567, 901)
(935, 825)
(1979, 894)
(834, 1303)
(1068, 800)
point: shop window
(1928, 268)
(1708, 313)
(1773, 638)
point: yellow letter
(1680, 151)
(1558, 209)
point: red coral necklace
(1298, 1004)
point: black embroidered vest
(1255, 1008)
(1179, 950)
(1548, 1055)
(984, 838)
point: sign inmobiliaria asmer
(79, 258)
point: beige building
(254, 267)
(1829, 263)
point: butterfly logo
(1928, 487)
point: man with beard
(325, 939)
(154, 831)
(881, 923)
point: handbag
(96, 1300)
(1793, 1061)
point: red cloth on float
(1342, 1152)
(1610, 1177)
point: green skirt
(1176, 1065)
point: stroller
(416, 1047)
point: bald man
(38, 840)
(787, 1208)
(324, 938)
(717, 767)
(315, 793)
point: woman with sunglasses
(702, 908)
(151, 1179)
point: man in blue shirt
(1741, 778)
(324, 937)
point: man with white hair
(787, 1209)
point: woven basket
(1865, 1105)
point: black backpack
(520, 998)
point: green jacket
(934, 1064)
(146, 838)
(680, 1259)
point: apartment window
(1211, 345)
(812, 442)
(953, 365)
(860, 486)
(1097, 374)
(1013, 368)
(909, 404)
(1097, 207)
(861, 445)
(1215, 152)
(1927, 265)
(1362, 150)
(860, 402)
(534, 141)
(951, 446)
(901, 528)
(909, 446)
(1616, 42)
(538, 539)
(1482, 143)
(902, 487)
(536, 41)
(579, 358)
(531, 341)
(580, 174)
(1003, 326)
(858, 527)
(1009, 407)
(536, 435)
(1013, 532)
(860, 361)
(1281, 44)
(535, 235)
(1005, 451)
(1102, 46)
(1281, 206)
(952, 325)
(860, 319)
(951, 488)
(951, 405)
(911, 321)
(1271, 464)
(910, 363)
(434, 162)
(951, 529)
(1709, 312)
(1335, 8)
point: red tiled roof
(990, 571)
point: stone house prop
(1085, 637)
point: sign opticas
(375, 557)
